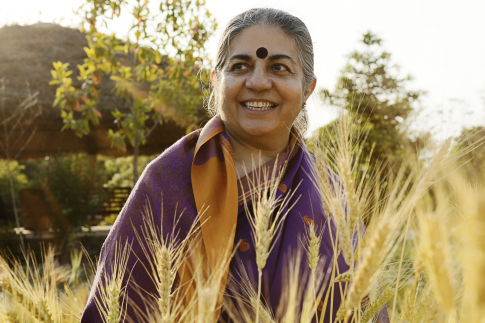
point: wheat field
(422, 254)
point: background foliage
(371, 89)
(20, 181)
(154, 68)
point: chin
(259, 132)
(258, 128)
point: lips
(259, 105)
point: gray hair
(290, 25)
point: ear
(310, 89)
(213, 78)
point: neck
(249, 156)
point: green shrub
(75, 182)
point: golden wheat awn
(341, 313)
(348, 198)
(244, 300)
(265, 205)
(32, 289)
(76, 259)
(411, 295)
(376, 306)
(313, 247)
(209, 289)
(437, 258)
(447, 253)
(166, 257)
(313, 242)
(297, 304)
(111, 301)
(73, 299)
(333, 200)
(369, 266)
(471, 206)
(344, 277)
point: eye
(239, 67)
(280, 68)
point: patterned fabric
(198, 173)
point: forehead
(272, 38)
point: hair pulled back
(289, 24)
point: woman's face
(261, 97)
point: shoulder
(175, 159)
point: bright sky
(439, 42)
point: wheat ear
(31, 290)
(437, 258)
(241, 307)
(265, 204)
(313, 242)
(111, 301)
(341, 313)
(376, 306)
(264, 314)
(344, 277)
(76, 258)
(313, 247)
(333, 198)
(164, 264)
(370, 264)
(167, 253)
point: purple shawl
(170, 175)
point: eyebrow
(281, 56)
(242, 57)
(248, 58)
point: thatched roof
(26, 55)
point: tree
(370, 89)
(154, 68)
(17, 132)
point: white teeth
(259, 106)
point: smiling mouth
(259, 106)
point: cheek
(292, 92)
(226, 96)
(228, 93)
(230, 88)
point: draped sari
(198, 173)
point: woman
(262, 79)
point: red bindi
(262, 52)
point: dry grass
(422, 254)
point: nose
(258, 80)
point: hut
(26, 56)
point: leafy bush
(119, 171)
(20, 181)
(75, 182)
